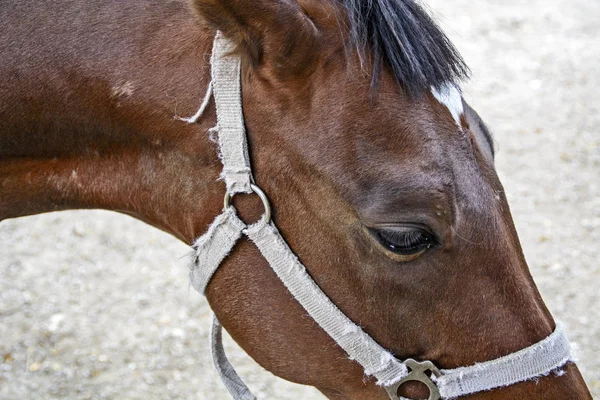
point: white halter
(212, 248)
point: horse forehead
(426, 153)
(398, 139)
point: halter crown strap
(227, 90)
(220, 238)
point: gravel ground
(95, 305)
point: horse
(380, 175)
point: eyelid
(375, 236)
(399, 228)
(434, 218)
(389, 234)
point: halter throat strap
(214, 246)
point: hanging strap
(232, 381)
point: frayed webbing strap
(532, 362)
(232, 381)
(227, 91)
(359, 346)
(212, 248)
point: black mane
(402, 35)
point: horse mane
(401, 35)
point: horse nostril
(414, 390)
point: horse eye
(404, 241)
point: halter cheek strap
(220, 238)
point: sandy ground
(95, 305)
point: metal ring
(417, 374)
(263, 198)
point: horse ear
(270, 34)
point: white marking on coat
(125, 90)
(450, 96)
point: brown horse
(387, 193)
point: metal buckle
(260, 193)
(417, 373)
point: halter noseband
(213, 247)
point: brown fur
(74, 134)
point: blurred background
(96, 305)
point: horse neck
(106, 137)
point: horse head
(383, 183)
